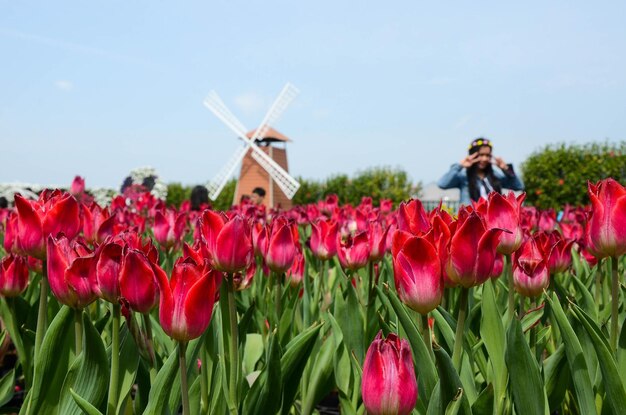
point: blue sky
(99, 88)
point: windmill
(265, 166)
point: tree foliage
(376, 182)
(558, 174)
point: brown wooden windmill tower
(263, 156)
(253, 175)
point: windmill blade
(282, 101)
(287, 183)
(215, 104)
(216, 185)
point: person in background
(480, 173)
(199, 198)
(258, 194)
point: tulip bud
(606, 229)
(503, 212)
(530, 270)
(281, 246)
(186, 301)
(228, 241)
(472, 251)
(413, 218)
(389, 386)
(137, 281)
(13, 275)
(169, 228)
(354, 252)
(324, 239)
(417, 274)
(71, 272)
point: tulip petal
(137, 281)
(29, 228)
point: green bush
(177, 194)
(377, 182)
(558, 174)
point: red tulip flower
(228, 241)
(108, 266)
(295, 274)
(377, 235)
(413, 218)
(53, 213)
(78, 186)
(324, 239)
(472, 251)
(186, 301)
(504, 212)
(169, 228)
(606, 228)
(137, 281)
(417, 274)
(13, 275)
(10, 233)
(353, 252)
(530, 269)
(282, 244)
(71, 272)
(558, 248)
(389, 386)
(98, 223)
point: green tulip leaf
(7, 387)
(264, 395)
(129, 363)
(615, 392)
(88, 376)
(51, 365)
(293, 362)
(83, 404)
(557, 377)
(526, 382)
(575, 358)
(252, 352)
(320, 381)
(449, 384)
(492, 333)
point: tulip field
(140, 308)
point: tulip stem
(460, 328)
(78, 330)
(204, 388)
(148, 325)
(115, 359)
(614, 304)
(427, 338)
(182, 348)
(42, 314)
(370, 287)
(234, 343)
(509, 273)
(278, 296)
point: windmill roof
(270, 135)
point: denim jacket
(457, 177)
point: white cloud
(64, 85)
(250, 103)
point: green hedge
(558, 174)
(377, 182)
